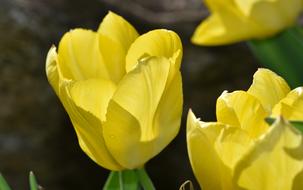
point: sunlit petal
(208, 167)
(88, 128)
(133, 128)
(241, 108)
(79, 56)
(161, 43)
(291, 107)
(269, 160)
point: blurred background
(35, 132)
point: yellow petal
(161, 43)
(271, 15)
(93, 95)
(224, 26)
(134, 129)
(242, 108)
(87, 126)
(208, 168)
(247, 6)
(115, 35)
(269, 164)
(291, 107)
(113, 56)
(226, 112)
(215, 5)
(268, 88)
(167, 126)
(51, 69)
(238, 20)
(83, 113)
(79, 56)
(118, 29)
(231, 145)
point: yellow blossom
(237, 20)
(240, 150)
(122, 91)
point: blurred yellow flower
(240, 150)
(122, 91)
(236, 20)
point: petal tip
(191, 121)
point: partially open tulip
(122, 91)
(240, 150)
(237, 20)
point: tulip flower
(240, 150)
(237, 20)
(122, 91)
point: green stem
(121, 180)
(144, 179)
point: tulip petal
(224, 26)
(131, 130)
(160, 43)
(225, 112)
(87, 126)
(167, 126)
(246, 6)
(243, 108)
(93, 95)
(208, 168)
(268, 88)
(113, 56)
(291, 107)
(271, 15)
(269, 160)
(51, 69)
(231, 144)
(115, 35)
(79, 56)
(118, 29)
(238, 20)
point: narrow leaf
(3, 183)
(33, 181)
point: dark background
(35, 132)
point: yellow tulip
(237, 20)
(240, 150)
(122, 91)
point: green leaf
(3, 183)
(282, 54)
(144, 179)
(296, 124)
(122, 180)
(33, 181)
